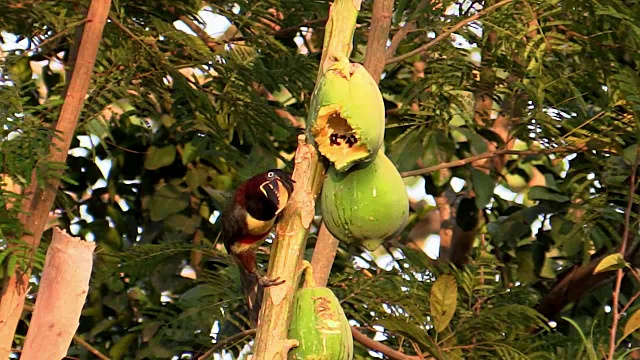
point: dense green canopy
(525, 118)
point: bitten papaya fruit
(347, 115)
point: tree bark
(38, 198)
(324, 254)
(285, 262)
(378, 36)
(63, 290)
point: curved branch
(380, 347)
(490, 154)
(623, 250)
(223, 343)
(447, 32)
(403, 32)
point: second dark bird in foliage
(247, 221)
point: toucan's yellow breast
(258, 227)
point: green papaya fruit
(366, 205)
(320, 326)
(347, 115)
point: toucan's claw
(266, 282)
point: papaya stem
(338, 36)
(309, 280)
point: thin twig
(211, 43)
(283, 31)
(623, 249)
(490, 154)
(123, 148)
(630, 302)
(402, 33)
(222, 343)
(91, 349)
(324, 254)
(448, 32)
(380, 347)
(54, 37)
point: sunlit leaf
(611, 262)
(443, 299)
(632, 324)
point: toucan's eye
(270, 174)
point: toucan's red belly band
(250, 239)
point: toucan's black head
(265, 195)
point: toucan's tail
(252, 292)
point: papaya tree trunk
(63, 290)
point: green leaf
(526, 265)
(611, 262)
(20, 70)
(406, 149)
(631, 154)
(196, 177)
(167, 120)
(11, 264)
(182, 223)
(483, 185)
(197, 295)
(588, 343)
(632, 324)
(189, 153)
(121, 347)
(444, 295)
(102, 325)
(543, 193)
(98, 127)
(477, 142)
(166, 201)
(159, 157)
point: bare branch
(323, 256)
(378, 36)
(403, 32)
(90, 348)
(623, 249)
(223, 343)
(448, 32)
(80, 341)
(490, 154)
(382, 348)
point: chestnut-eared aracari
(247, 221)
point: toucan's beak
(277, 191)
